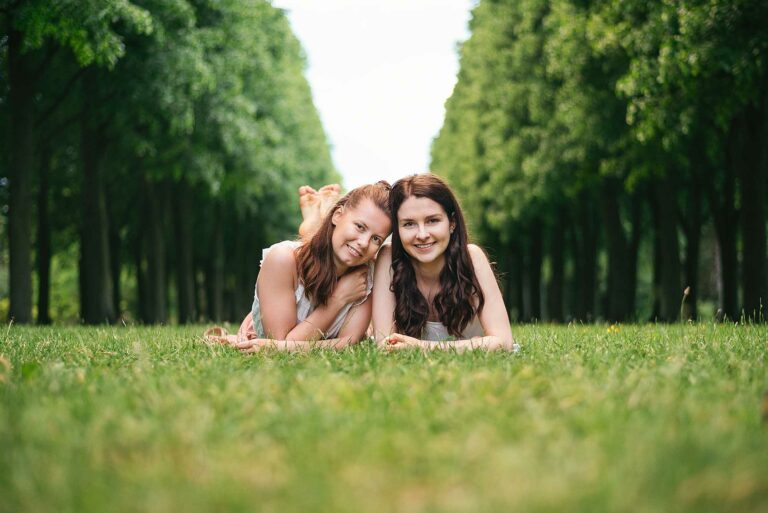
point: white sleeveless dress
(303, 306)
(435, 330)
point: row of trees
(164, 139)
(580, 132)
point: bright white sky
(380, 72)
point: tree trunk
(516, 283)
(656, 280)
(636, 234)
(21, 162)
(201, 297)
(511, 275)
(98, 306)
(115, 253)
(752, 173)
(585, 258)
(692, 244)
(532, 277)
(618, 254)
(252, 256)
(239, 258)
(725, 215)
(154, 231)
(671, 291)
(43, 239)
(215, 270)
(141, 275)
(185, 271)
(557, 262)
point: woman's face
(358, 234)
(424, 229)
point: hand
(253, 345)
(397, 342)
(494, 344)
(351, 287)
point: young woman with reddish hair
(432, 288)
(314, 292)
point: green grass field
(646, 418)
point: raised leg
(314, 206)
(309, 204)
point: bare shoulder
(281, 258)
(385, 255)
(383, 269)
(478, 256)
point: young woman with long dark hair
(314, 292)
(432, 288)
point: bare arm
(276, 288)
(351, 333)
(383, 297)
(494, 317)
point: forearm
(299, 346)
(315, 326)
(487, 343)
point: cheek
(336, 237)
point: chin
(425, 259)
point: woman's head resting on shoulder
(430, 233)
(350, 235)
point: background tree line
(153, 148)
(594, 140)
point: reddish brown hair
(314, 258)
(460, 298)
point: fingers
(251, 346)
(392, 339)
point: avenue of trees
(583, 135)
(161, 142)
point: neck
(340, 267)
(429, 273)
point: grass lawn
(646, 418)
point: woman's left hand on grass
(397, 341)
(253, 345)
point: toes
(331, 188)
(306, 189)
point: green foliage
(205, 96)
(87, 28)
(622, 418)
(568, 102)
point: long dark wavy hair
(460, 297)
(314, 258)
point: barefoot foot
(308, 201)
(328, 195)
(309, 204)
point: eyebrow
(430, 216)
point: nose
(363, 243)
(422, 232)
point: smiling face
(424, 229)
(358, 234)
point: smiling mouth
(424, 246)
(354, 251)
